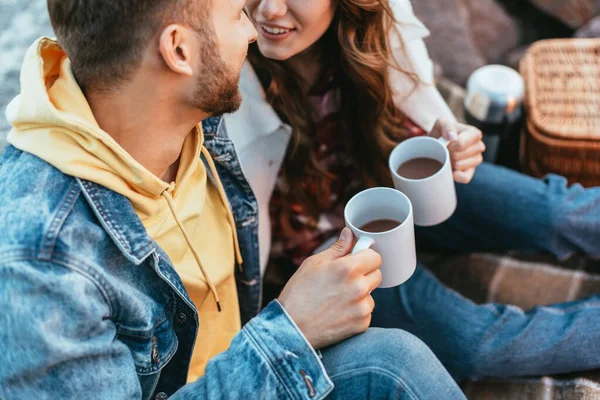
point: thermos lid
(494, 92)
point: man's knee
(396, 349)
(387, 362)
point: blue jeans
(501, 210)
(504, 210)
(387, 364)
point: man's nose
(252, 33)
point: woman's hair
(356, 50)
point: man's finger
(339, 249)
(365, 262)
(373, 279)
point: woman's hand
(466, 147)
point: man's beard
(217, 91)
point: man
(123, 271)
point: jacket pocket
(151, 350)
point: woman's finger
(464, 176)
(468, 163)
(446, 129)
(477, 148)
(466, 138)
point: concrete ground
(21, 22)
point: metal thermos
(494, 104)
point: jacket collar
(117, 216)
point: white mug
(433, 198)
(396, 246)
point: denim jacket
(91, 307)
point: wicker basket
(562, 101)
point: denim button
(155, 354)
(181, 318)
(161, 396)
(309, 384)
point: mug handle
(363, 243)
(443, 141)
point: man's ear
(175, 49)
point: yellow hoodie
(189, 219)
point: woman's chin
(274, 52)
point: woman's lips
(276, 33)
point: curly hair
(356, 49)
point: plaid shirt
(296, 233)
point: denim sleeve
(56, 336)
(57, 339)
(269, 358)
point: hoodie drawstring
(238, 253)
(213, 170)
(213, 289)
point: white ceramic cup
(397, 246)
(433, 198)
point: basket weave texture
(562, 134)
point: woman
(338, 83)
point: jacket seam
(234, 172)
(141, 370)
(104, 215)
(249, 332)
(107, 217)
(299, 332)
(58, 221)
(138, 255)
(148, 333)
(108, 292)
(71, 267)
(318, 361)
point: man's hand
(466, 147)
(329, 297)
